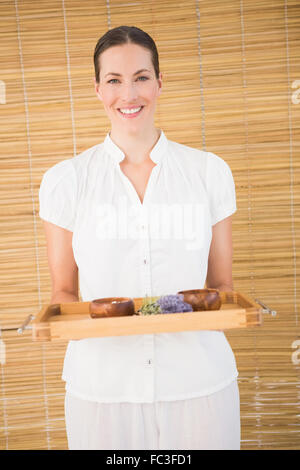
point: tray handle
(265, 308)
(25, 326)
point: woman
(139, 215)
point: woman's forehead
(127, 56)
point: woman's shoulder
(60, 170)
(183, 151)
(198, 156)
(65, 167)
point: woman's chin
(131, 127)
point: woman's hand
(219, 271)
(62, 265)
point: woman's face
(121, 88)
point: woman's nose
(129, 92)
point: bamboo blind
(230, 72)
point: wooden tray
(72, 320)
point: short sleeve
(221, 188)
(57, 195)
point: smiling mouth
(131, 114)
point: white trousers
(205, 423)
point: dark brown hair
(124, 35)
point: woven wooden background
(231, 72)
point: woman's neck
(136, 148)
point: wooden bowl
(202, 299)
(111, 307)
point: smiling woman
(129, 100)
(158, 391)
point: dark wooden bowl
(202, 299)
(111, 307)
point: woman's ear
(159, 83)
(98, 89)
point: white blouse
(125, 248)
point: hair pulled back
(125, 35)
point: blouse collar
(156, 153)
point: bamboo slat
(230, 73)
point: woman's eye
(114, 80)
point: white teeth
(130, 111)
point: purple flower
(173, 304)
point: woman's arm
(62, 265)
(219, 271)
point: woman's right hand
(62, 265)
